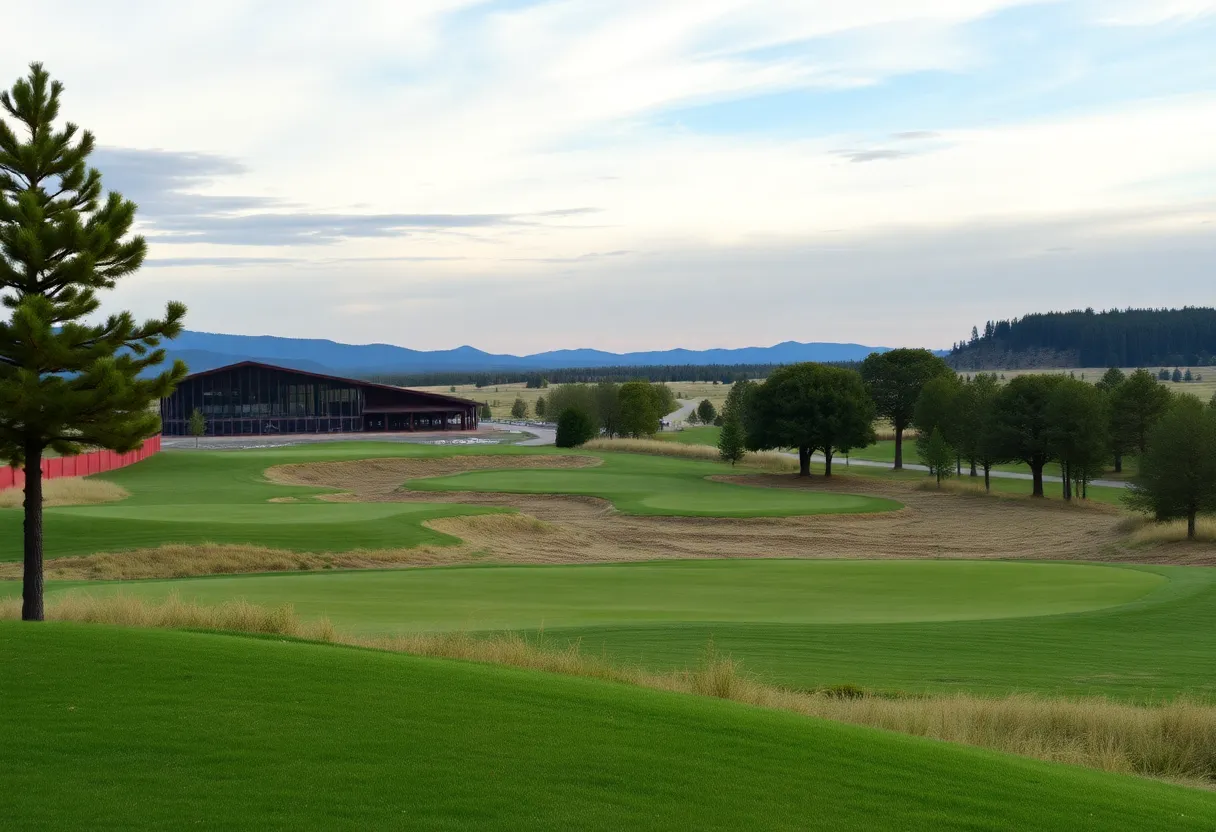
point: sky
(523, 176)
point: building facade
(251, 398)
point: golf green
(127, 729)
(641, 484)
(669, 592)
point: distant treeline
(1114, 338)
(724, 373)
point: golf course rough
(223, 497)
(178, 729)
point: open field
(500, 397)
(198, 726)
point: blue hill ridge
(206, 350)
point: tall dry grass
(1172, 531)
(68, 491)
(181, 560)
(764, 460)
(1173, 740)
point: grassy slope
(183, 729)
(718, 592)
(641, 484)
(859, 625)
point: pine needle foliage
(68, 380)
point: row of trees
(1037, 419)
(634, 409)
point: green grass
(703, 435)
(122, 729)
(665, 592)
(655, 485)
(987, 627)
(223, 497)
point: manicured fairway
(641, 484)
(671, 592)
(112, 729)
(887, 625)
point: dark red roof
(439, 397)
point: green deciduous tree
(607, 408)
(977, 424)
(732, 442)
(894, 380)
(936, 453)
(540, 407)
(486, 413)
(1020, 429)
(810, 407)
(574, 427)
(1136, 406)
(938, 409)
(1078, 433)
(519, 409)
(1110, 384)
(197, 425)
(66, 380)
(706, 412)
(639, 409)
(1177, 475)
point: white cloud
(451, 107)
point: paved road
(1004, 475)
(543, 434)
(681, 413)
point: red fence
(80, 466)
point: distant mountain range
(206, 351)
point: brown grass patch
(764, 460)
(68, 491)
(1174, 740)
(1147, 533)
(379, 477)
(189, 560)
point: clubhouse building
(251, 398)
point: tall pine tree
(67, 380)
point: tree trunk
(1067, 482)
(974, 473)
(827, 462)
(804, 461)
(1190, 525)
(987, 478)
(1036, 473)
(31, 589)
(958, 461)
(1118, 463)
(899, 448)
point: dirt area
(371, 480)
(580, 529)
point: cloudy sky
(522, 175)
